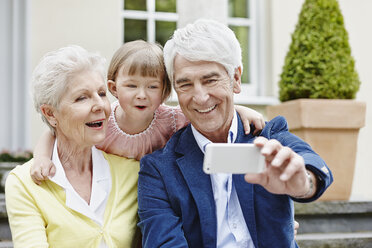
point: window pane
(242, 33)
(164, 31)
(135, 4)
(239, 8)
(166, 5)
(135, 29)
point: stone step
(335, 240)
(5, 168)
(5, 233)
(336, 224)
(6, 244)
(334, 217)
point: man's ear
(237, 80)
(111, 85)
(49, 113)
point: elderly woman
(91, 201)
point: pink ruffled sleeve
(167, 120)
(180, 119)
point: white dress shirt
(232, 231)
(101, 187)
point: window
(242, 20)
(155, 20)
(151, 20)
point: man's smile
(206, 110)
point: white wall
(92, 24)
(357, 18)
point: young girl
(139, 123)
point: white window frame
(255, 92)
(150, 15)
(249, 89)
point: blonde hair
(140, 57)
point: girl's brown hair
(143, 57)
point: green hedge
(319, 62)
(15, 157)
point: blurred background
(30, 28)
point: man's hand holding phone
(285, 171)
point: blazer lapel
(199, 183)
(245, 190)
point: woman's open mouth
(95, 124)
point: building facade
(30, 28)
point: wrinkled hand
(41, 169)
(258, 122)
(285, 170)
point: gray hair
(204, 40)
(55, 70)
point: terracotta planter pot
(331, 127)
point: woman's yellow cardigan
(39, 217)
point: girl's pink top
(167, 120)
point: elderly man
(180, 205)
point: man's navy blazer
(175, 198)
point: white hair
(55, 70)
(204, 40)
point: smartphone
(235, 158)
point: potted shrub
(317, 86)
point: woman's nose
(98, 104)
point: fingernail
(265, 150)
(284, 177)
(275, 162)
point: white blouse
(101, 187)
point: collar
(101, 185)
(202, 141)
(99, 172)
